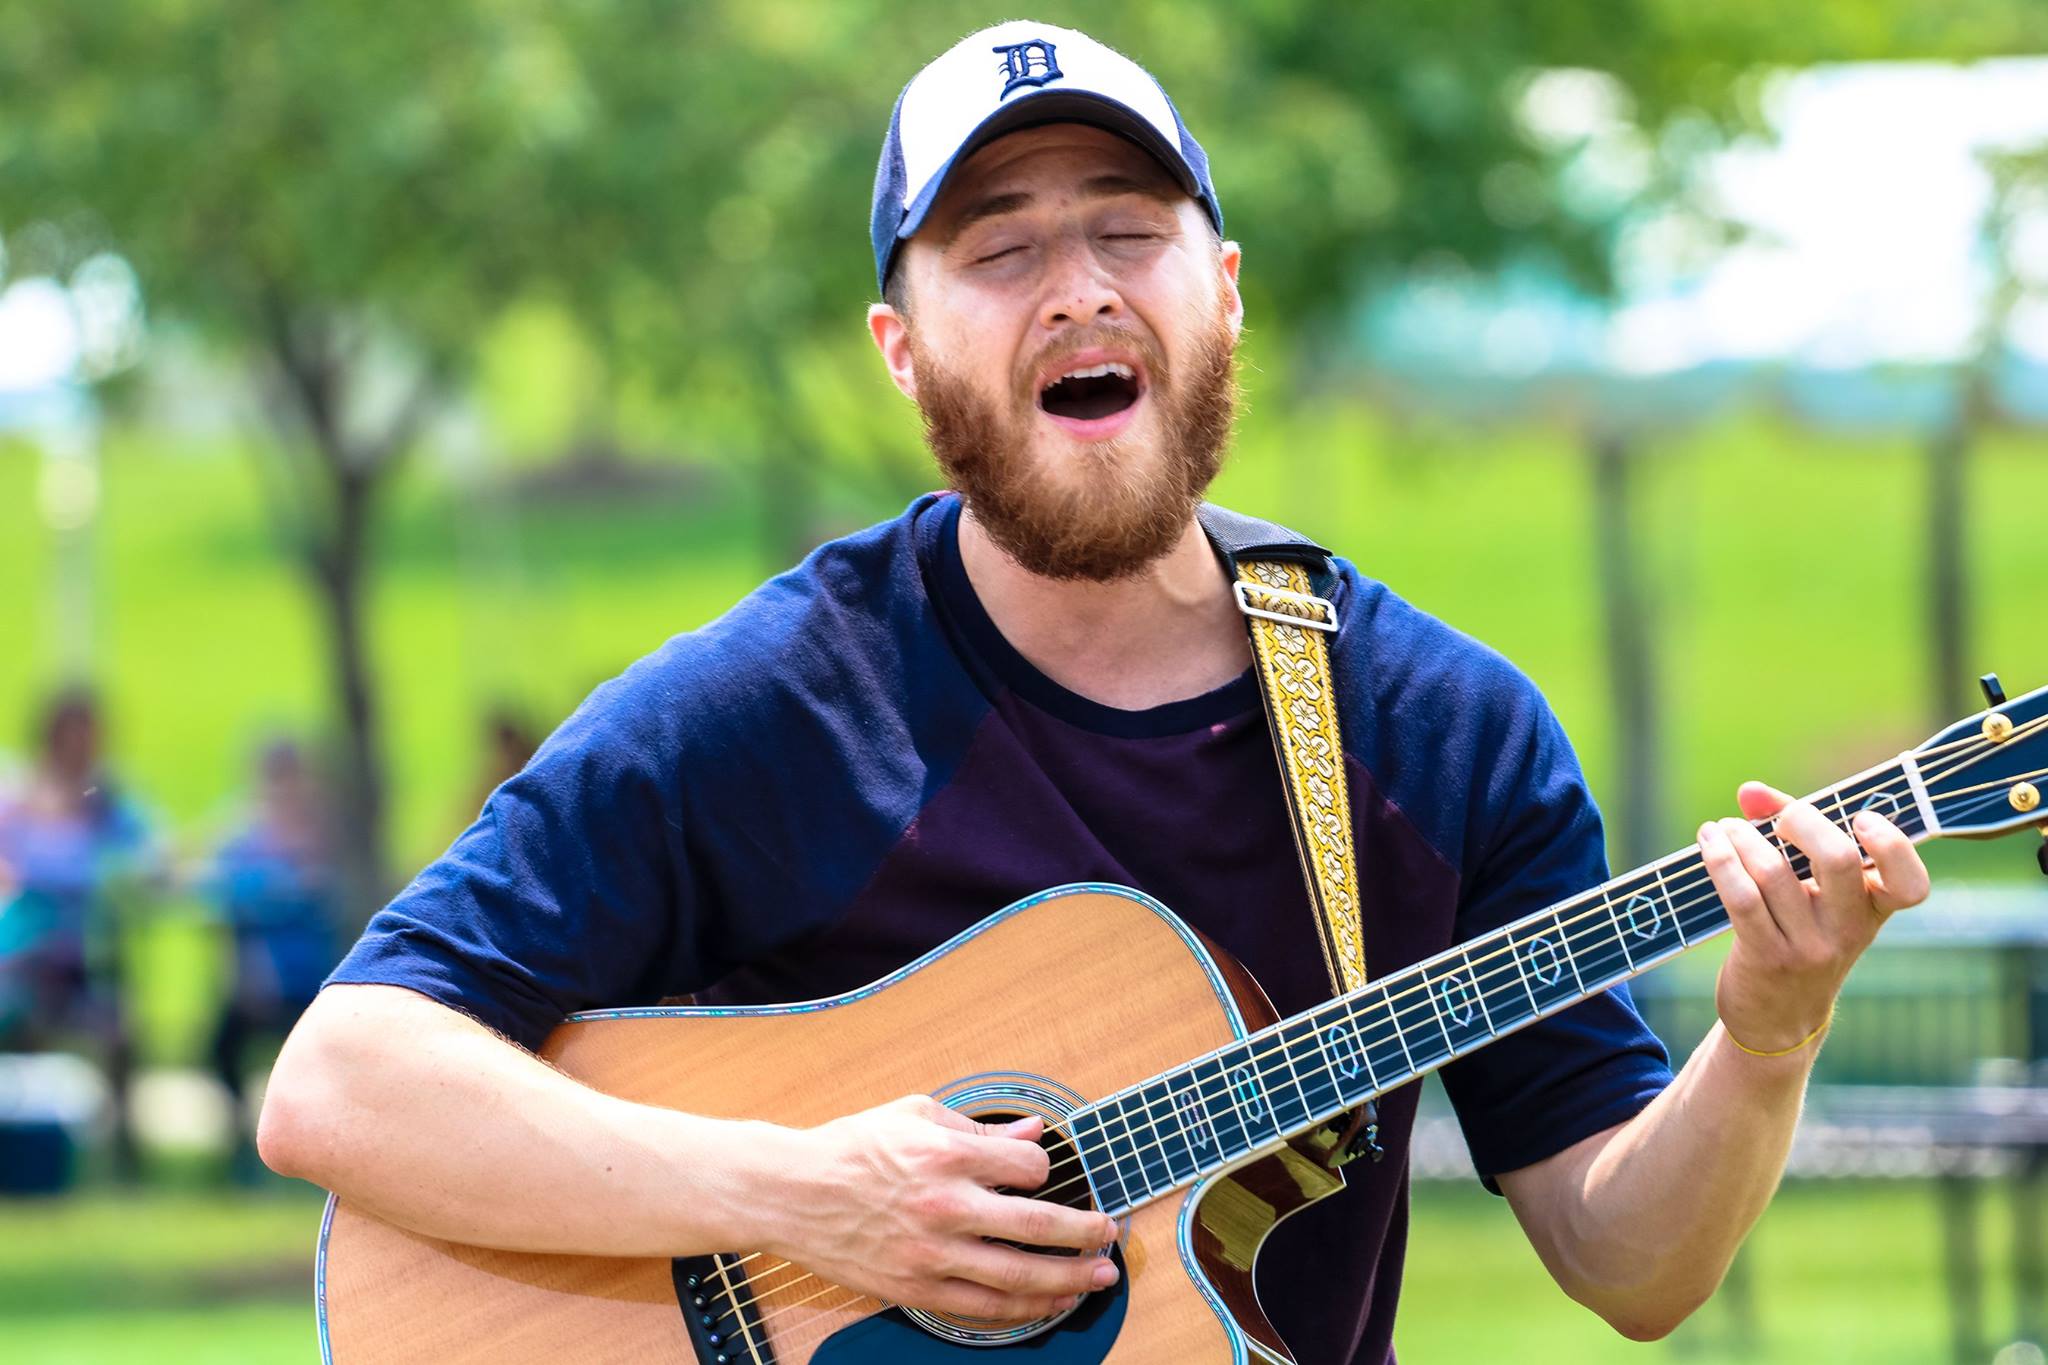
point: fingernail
(1709, 832)
(1105, 1275)
(1062, 1305)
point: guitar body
(1066, 996)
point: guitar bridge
(719, 1310)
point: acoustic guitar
(1180, 1106)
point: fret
(1649, 928)
(1455, 999)
(1313, 1082)
(1402, 1064)
(1613, 913)
(1168, 1138)
(1593, 939)
(1561, 941)
(1283, 1083)
(1677, 923)
(1247, 1089)
(1192, 1114)
(1700, 911)
(1842, 815)
(1123, 1151)
(1213, 1088)
(1100, 1166)
(1345, 1047)
(1546, 965)
(1414, 1011)
(1484, 980)
(1146, 1144)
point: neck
(1164, 634)
(1249, 1096)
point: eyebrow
(1095, 187)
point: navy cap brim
(1056, 106)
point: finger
(1833, 858)
(1738, 891)
(1039, 1222)
(1760, 801)
(1026, 1274)
(925, 1107)
(1785, 899)
(1898, 877)
(971, 1300)
(996, 1160)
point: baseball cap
(1012, 76)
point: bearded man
(1038, 677)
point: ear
(1229, 256)
(892, 339)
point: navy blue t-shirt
(853, 765)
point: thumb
(1759, 801)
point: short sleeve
(565, 894)
(1537, 841)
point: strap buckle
(1325, 618)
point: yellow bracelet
(1783, 1051)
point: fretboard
(1255, 1093)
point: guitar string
(1485, 984)
(782, 1310)
(1394, 1016)
(1284, 1046)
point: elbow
(1637, 1328)
(1641, 1318)
(297, 1129)
(281, 1132)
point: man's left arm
(1640, 1222)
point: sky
(1864, 244)
(1866, 219)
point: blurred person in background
(275, 885)
(74, 852)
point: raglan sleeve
(1535, 839)
(569, 891)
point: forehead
(1047, 160)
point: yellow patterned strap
(1301, 706)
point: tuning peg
(1994, 691)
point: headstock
(1988, 774)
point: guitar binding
(719, 1311)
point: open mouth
(1090, 392)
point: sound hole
(1065, 1184)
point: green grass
(1844, 1273)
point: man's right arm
(418, 1114)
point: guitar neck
(1252, 1095)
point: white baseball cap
(1012, 76)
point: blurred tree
(338, 195)
(346, 195)
(2014, 274)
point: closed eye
(996, 256)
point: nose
(1077, 290)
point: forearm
(1642, 1222)
(423, 1117)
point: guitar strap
(1283, 585)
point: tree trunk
(1631, 664)
(339, 579)
(1947, 602)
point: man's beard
(1123, 504)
